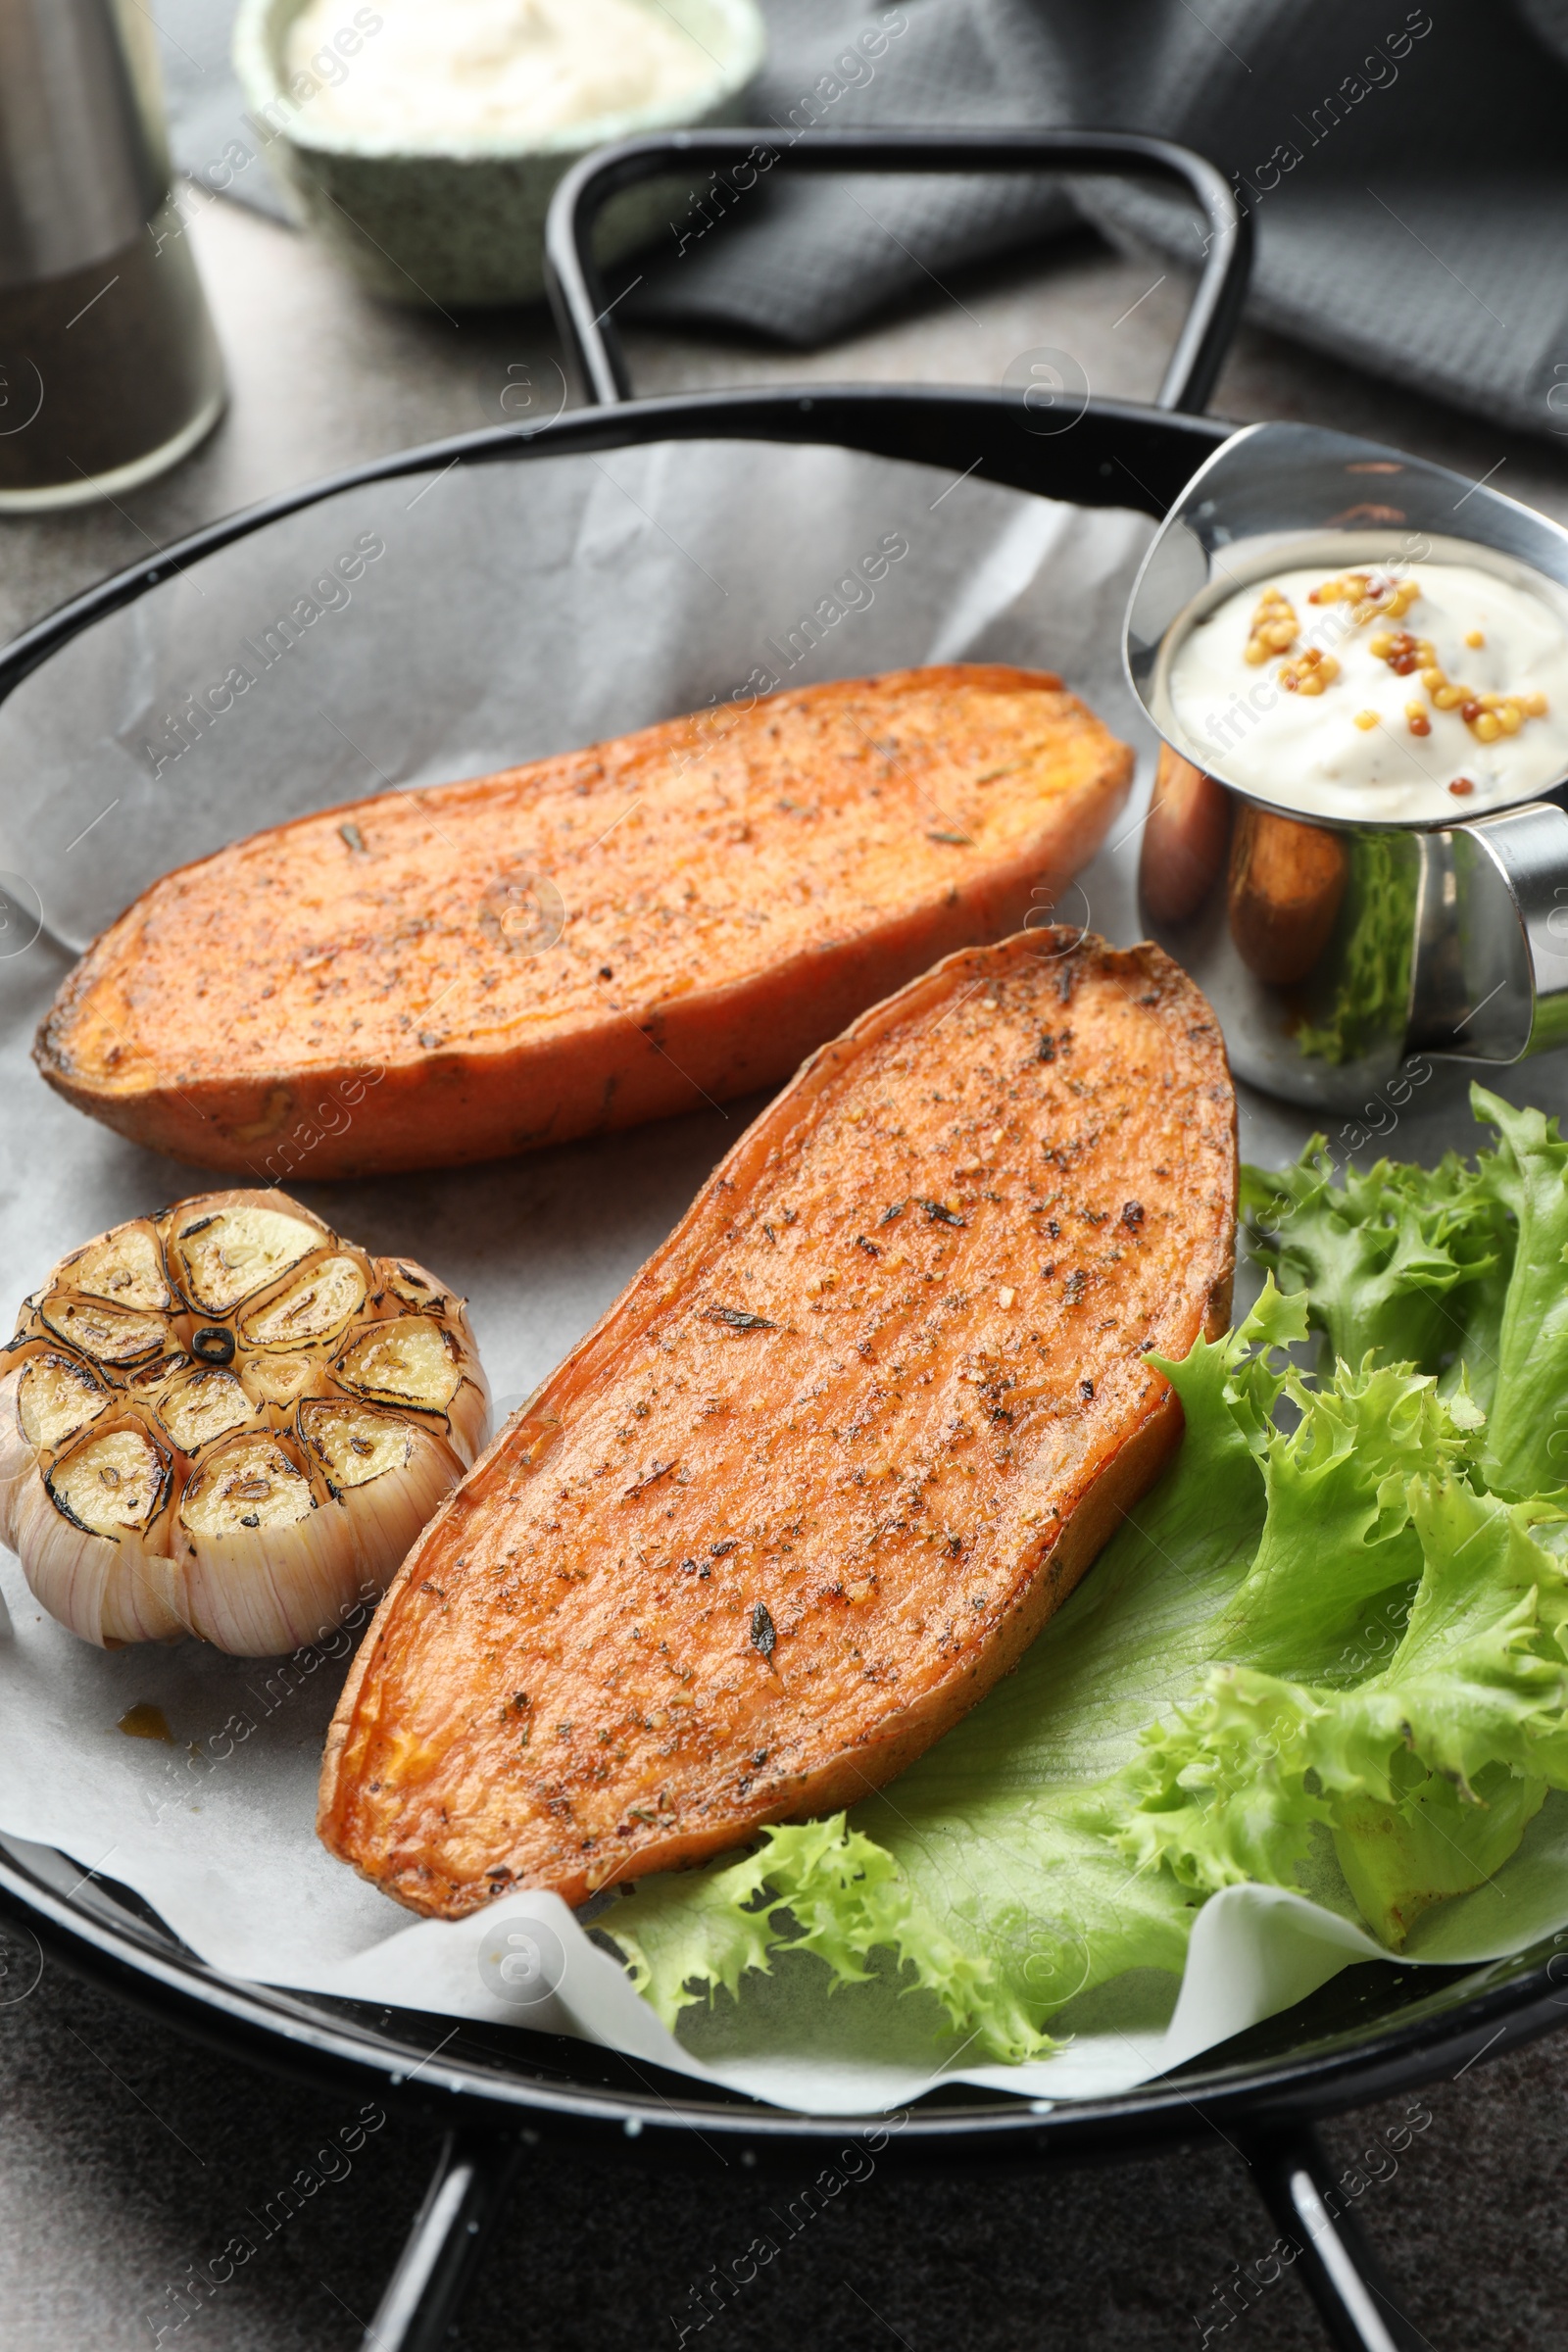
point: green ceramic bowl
(466, 223)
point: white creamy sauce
(416, 74)
(1386, 733)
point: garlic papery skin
(387, 1475)
(44, 1402)
(93, 1536)
(266, 1566)
(227, 1422)
(17, 1457)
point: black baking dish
(1373, 2030)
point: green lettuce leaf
(1425, 1773)
(1328, 1651)
(1009, 1869)
(1339, 1531)
(1389, 1260)
(1522, 1356)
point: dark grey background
(126, 2153)
(115, 2180)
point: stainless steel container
(1334, 950)
(108, 367)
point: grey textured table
(127, 2155)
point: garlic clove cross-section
(227, 1421)
(92, 1532)
(262, 1554)
(390, 1472)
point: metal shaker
(108, 367)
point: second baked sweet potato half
(826, 1467)
(597, 939)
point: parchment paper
(441, 627)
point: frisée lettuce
(1328, 1651)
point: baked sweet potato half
(597, 939)
(826, 1467)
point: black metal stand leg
(1335, 2262)
(442, 2254)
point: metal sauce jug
(1332, 951)
(108, 367)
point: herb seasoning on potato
(600, 938)
(826, 1467)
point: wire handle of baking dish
(577, 292)
(1320, 2238)
(446, 2243)
(1321, 2235)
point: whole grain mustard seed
(1273, 629)
(1311, 672)
(1402, 651)
(1375, 595)
(1345, 763)
(1488, 716)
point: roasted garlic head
(226, 1421)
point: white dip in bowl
(1411, 692)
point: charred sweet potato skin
(382, 986)
(825, 1468)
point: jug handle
(1517, 862)
(1490, 975)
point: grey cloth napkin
(1407, 167)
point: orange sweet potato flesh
(376, 988)
(825, 1468)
